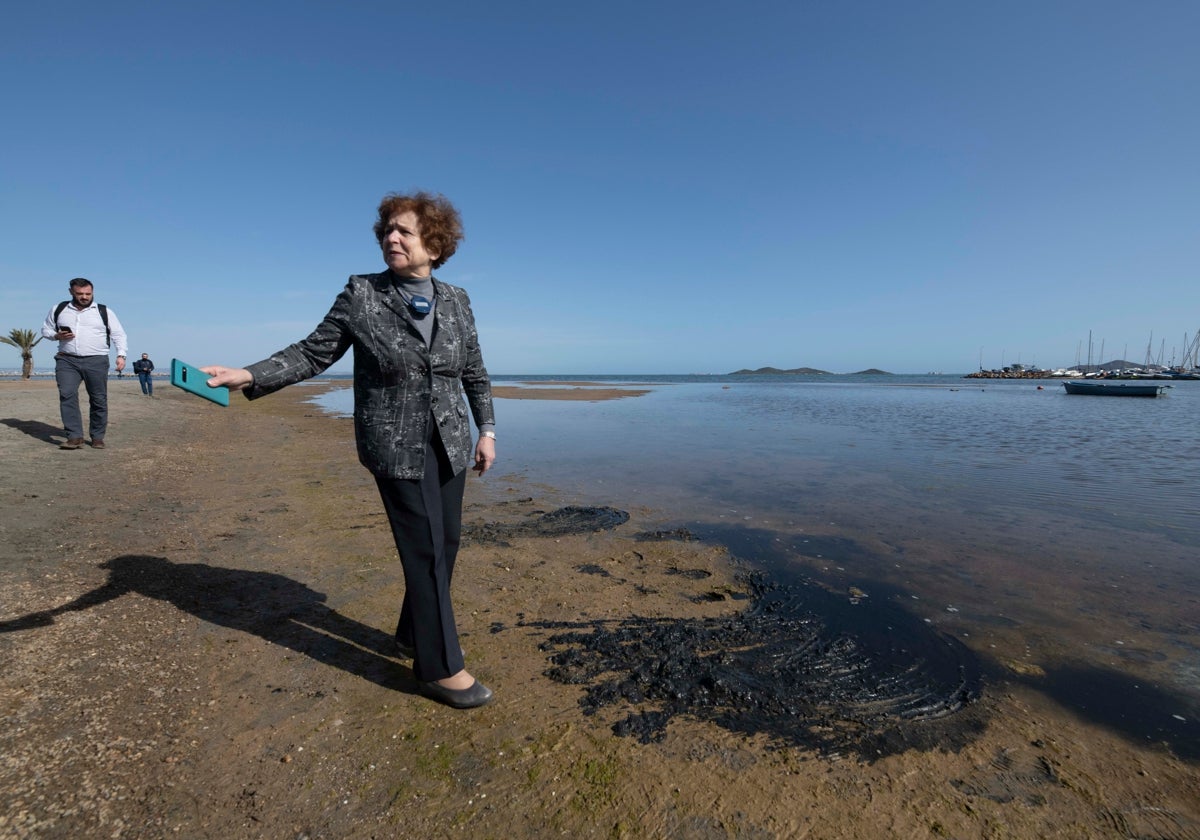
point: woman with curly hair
(416, 355)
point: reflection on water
(1042, 529)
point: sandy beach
(195, 631)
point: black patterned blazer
(400, 385)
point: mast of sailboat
(1191, 353)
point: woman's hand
(485, 454)
(235, 379)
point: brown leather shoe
(97, 443)
(71, 443)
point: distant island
(806, 371)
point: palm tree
(23, 340)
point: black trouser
(426, 519)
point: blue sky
(647, 187)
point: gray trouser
(92, 371)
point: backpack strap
(104, 317)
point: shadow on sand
(36, 429)
(271, 606)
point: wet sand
(195, 626)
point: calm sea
(1058, 536)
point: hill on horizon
(806, 371)
(774, 370)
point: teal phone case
(195, 381)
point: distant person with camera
(143, 367)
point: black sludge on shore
(573, 519)
(800, 664)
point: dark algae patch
(799, 664)
(565, 521)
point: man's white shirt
(89, 338)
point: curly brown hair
(441, 225)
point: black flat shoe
(458, 698)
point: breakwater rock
(1010, 374)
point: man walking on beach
(85, 332)
(143, 367)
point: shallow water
(737, 445)
(1057, 536)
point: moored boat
(1115, 389)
